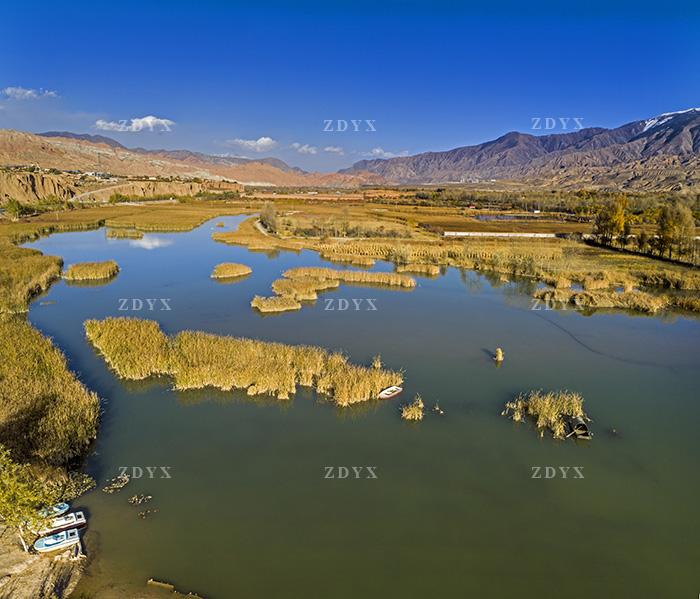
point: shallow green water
(454, 510)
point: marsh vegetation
(91, 271)
(549, 411)
(46, 414)
(137, 349)
(413, 410)
(304, 283)
(230, 270)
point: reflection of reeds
(549, 410)
(86, 271)
(230, 270)
(137, 348)
(124, 234)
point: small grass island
(230, 270)
(91, 271)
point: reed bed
(124, 234)
(247, 234)
(352, 276)
(24, 273)
(413, 410)
(303, 288)
(275, 303)
(230, 270)
(46, 414)
(91, 271)
(549, 410)
(430, 270)
(137, 348)
(639, 301)
(362, 261)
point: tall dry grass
(137, 348)
(351, 276)
(230, 270)
(46, 414)
(275, 303)
(413, 410)
(548, 410)
(431, 270)
(303, 288)
(91, 271)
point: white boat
(54, 511)
(72, 520)
(61, 540)
(390, 392)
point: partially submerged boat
(60, 540)
(578, 429)
(54, 511)
(390, 392)
(72, 520)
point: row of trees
(674, 236)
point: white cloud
(305, 148)
(152, 123)
(381, 153)
(334, 150)
(262, 144)
(23, 93)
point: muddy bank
(32, 576)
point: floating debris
(145, 513)
(117, 483)
(166, 586)
(438, 410)
(498, 356)
(139, 499)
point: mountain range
(657, 153)
(661, 153)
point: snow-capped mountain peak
(665, 117)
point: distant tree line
(674, 236)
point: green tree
(610, 220)
(15, 209)
(684, 234)
(643, 242)
(665, 231)
(268, 217)
(22, 495)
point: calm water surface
(247, 512)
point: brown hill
(84, 154)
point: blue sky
(262, 79)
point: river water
(247, 511)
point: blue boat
(61, 540)
(54, 511)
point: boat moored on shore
(72, 520)
(60, 540)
